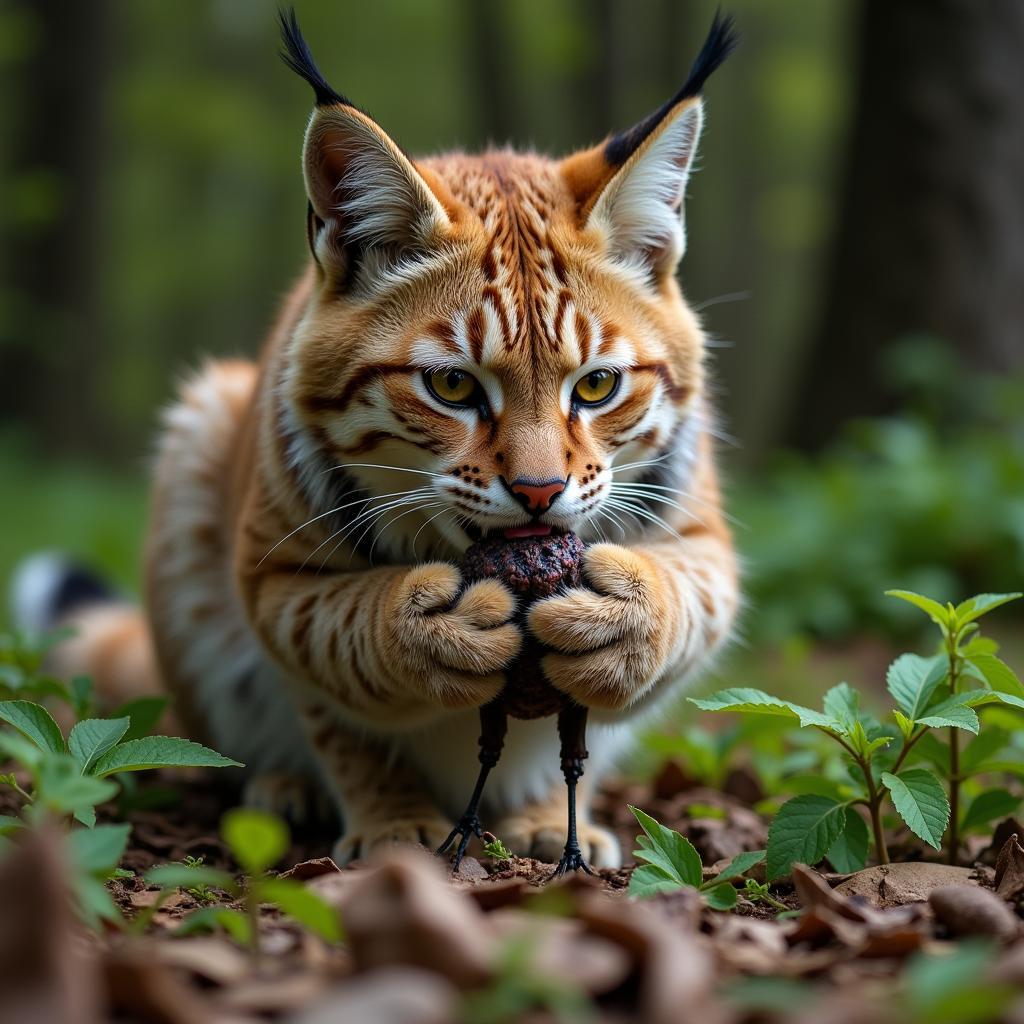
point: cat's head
(494, 340)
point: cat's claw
(469, 826)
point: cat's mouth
(476, 534)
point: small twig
(875, 807)
(952, 643)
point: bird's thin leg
(493, 726)
(572, 731)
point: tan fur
(302, 633)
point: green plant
(72, 776)
(760, 892)
(496, 850)
(257, 840)
(200, 892)
(929, 695)
(827, 533)
(518, 988)
(673, 863)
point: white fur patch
(640, 208)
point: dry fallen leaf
(1009, 873)
(390, 995)
(893, 885)
(404, 912)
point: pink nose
(536, 497)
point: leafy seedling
(673, 863)
(929, 694)
(496, 850)
(257, 840)
(73, 776)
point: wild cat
(479, 345)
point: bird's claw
(572, 860)
(468, 826)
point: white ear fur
(364, 191)
(640, 209)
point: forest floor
(497, 942)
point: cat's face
(496, 343)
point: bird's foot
(572, 860)
(468, 826)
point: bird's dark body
(532, 568)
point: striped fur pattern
(309, 510)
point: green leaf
(757, 702)
(802, 832)
(86, 816)
(94, 902)
(93, 737)
(989, 805)
(63, 788)
(35, 723)
(740, 865)
(906, 725)
(144, 713)
(983, 747)
(16, 747)
(181, 876)
(159, 752)
(80, 696)
(98, 850)
(992, 670)
(921, 802)
(849, 852)
(952, 712)
(256, 838)
(304, 905)
(206, 919)
(935, 611)
(979, 645)
(842, 704)
(721, 897)
(974, 607)
(647, 881)
(974, 698)
(9, 824)
(912, 680)
(670, 851)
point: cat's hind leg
(382, 800)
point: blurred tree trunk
(53, 346)
(931, 227)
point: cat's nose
(536, 496)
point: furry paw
(364, 838)
(293, 797)
(450, 642)
(612, 640)
(543, 838)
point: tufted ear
(367, 200)
(630, 189)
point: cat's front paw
(612, 640)
(453, 643)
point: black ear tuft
(297, 56)
(721, 41)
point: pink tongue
(531, 530)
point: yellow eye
(452, 386)
(597, 387)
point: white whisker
(377, 465)
(330, 511)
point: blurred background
(856, 247)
